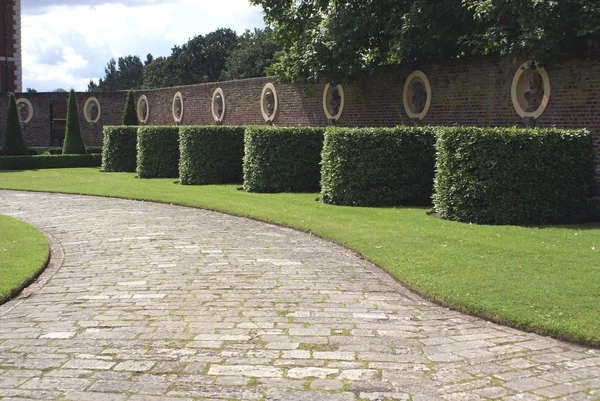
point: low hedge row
(513, 176)
(119, 149)
(211, 155)
(282, 159)
(158, 152)
(378, 166)
(49, 161)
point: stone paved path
(149, 302)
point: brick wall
(37, 131)
(470, 91)
(10, 49)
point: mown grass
(23, 253)
(543, 279)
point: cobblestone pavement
(147, 302)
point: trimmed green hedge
(158, 152)
(13, 144)
(49, 161)
(378, 166)
(514, 176)
(282, 159)
(211, 155)
(73, 143)
(119, 149)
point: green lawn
(544, 279)
(23, 253)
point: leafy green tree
(252, 55)
(122, 74)
(341, 41)
(201, 59)
(73, 144)
(538, 29)
(129, 112)
(155, 74)
(13, 144)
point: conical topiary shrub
(13, 144)
(73, 144)
(129, 112)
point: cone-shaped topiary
(73, 144)
(129, 112)
(14, 144)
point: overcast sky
(66, 43)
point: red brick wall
(37, 131)
(11, 47)
(470, 91)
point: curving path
(147, 302)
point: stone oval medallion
(416, 95)
(530, 91)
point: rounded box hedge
(282, 159)
(158, 152)
(514, 176)
(378, 166)
(119, 149)
(211, 155)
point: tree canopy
(341, 40)
(251, 56)
(125, 73)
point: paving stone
(56, 383)
(118, 386)
(287, 395)
(135, 366)
(232, 381)
(301, 373)
(527, 384)
(346, 356)
(88, 364)
(219, 393)
(245, 370)
(58, 335)
(359, 374)
(81, 396)
(386, 396)
(328, 385)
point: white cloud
(65, 46)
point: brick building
(11, 77)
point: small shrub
(282, 159)
(514, 176)
(211, 155)
(158, 152)
(378, 166)
(119, 149)
(73, 144)
(129, 112)
(13, 143)
(49, 161)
